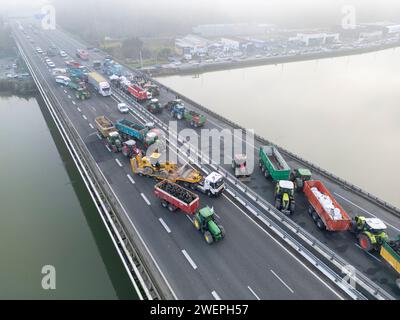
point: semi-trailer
(99, 84)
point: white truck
(99, 83)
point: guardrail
(365, 283)
(131, 248)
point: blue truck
(143, 133)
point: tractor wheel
(320, 224)
(209, 193)
(310, 210)
(292, 207)
(262, 167)
(208, 237)
(278, 203)
(171, 208)
(196, 223)
(365, 242)
(222, 230)
(266, 174)
(299, 184)
(260, 164)
(315, 216)
(164, 203)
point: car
(63, 54)
(63, 80)
(123, 108)
(51, 64)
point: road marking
(283, 282)
(285, 249)
(73, 102)
(118, 162)
(69, 97)
(369, 253)
(190, 219)
(164, 225)
(90, 125)
(79, 109)
(65, 91)
(251, 290)
(145, 199)
(130, 178)
(366, 211)
(188, 258)
(215, 295)
(84, 117)
(108, 148)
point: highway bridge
(265, 254)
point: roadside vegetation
(6, 42)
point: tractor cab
(129, 149)
(171, 104)
(371, 232)
(284, 196)
(154, 106)
(206, 223)
(114, 141)
(299, 176)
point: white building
(393, 29)
(234, 29)
(373, 35)
(191, 45)
(310, 39)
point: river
(47, 216)
(340, 113)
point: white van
(123, 108)
(63, 80)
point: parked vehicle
(138, 93)
(109, 133)
(63, 54)
(97, 65)
(206, 222)
(299, 176)
(99, 84)
(239, 165)
(63, 80)
(212, 185)
(284, 197)
(82, 54)
(146, 134)
(326, 212)
(154, 106)
(122, 107)
(272, 164)
(195, 119)
(175, 197)
(129, 149)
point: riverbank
(20, 87)
(203, 68)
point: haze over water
(340, 113)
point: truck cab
(212, 185)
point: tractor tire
(266, 174)
(320, 224)
(222, 230)
(278, 203)
(299, 184)
(196, 224)
(209, 194)
(365, 242)
(292, 207)
(310, 210)
(208, 237)
(262, 168)
(164, 204)
(260, 164)
(172, 208)
(315, 216)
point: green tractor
(205, 222)
(82, 94)
(114, 141)
(284, 197)
(154, 106)
(370, 232)
(299, 176)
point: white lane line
(84, 117)
(188, 258)
(69, 97)
(65, 91)
(145, 199)
(283, 282)
(79, 109)
(118, 162)
(254, 294)
(190, 219)
(369, 253)
(130, 178)
(164, 225)
(215, 295)
(107, 148)
(94, 109)
(397, 229)
(73, 102)
(91, 126)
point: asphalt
(248, 257)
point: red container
(190, 208)
(330, 224)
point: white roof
(375, 223)
(214, 177)
(122, 104)
(286, 184)
(154, 100)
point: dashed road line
(254, 294)
(215, 295)
(145, 199)
(84, 117)
(91, 126)
(283, 282)
(118, 162)
(164, 225)
(188, 258)
(130, 178)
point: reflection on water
(340, 113)
(47, 216)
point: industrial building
(316, 39)
(236, 29)
(191, 45)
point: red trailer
(174, 197)
(82, 54)
(73, 64)
(336, 219)
(139, 93)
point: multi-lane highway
(251, 262)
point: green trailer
(390, 251)
(272, 164)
